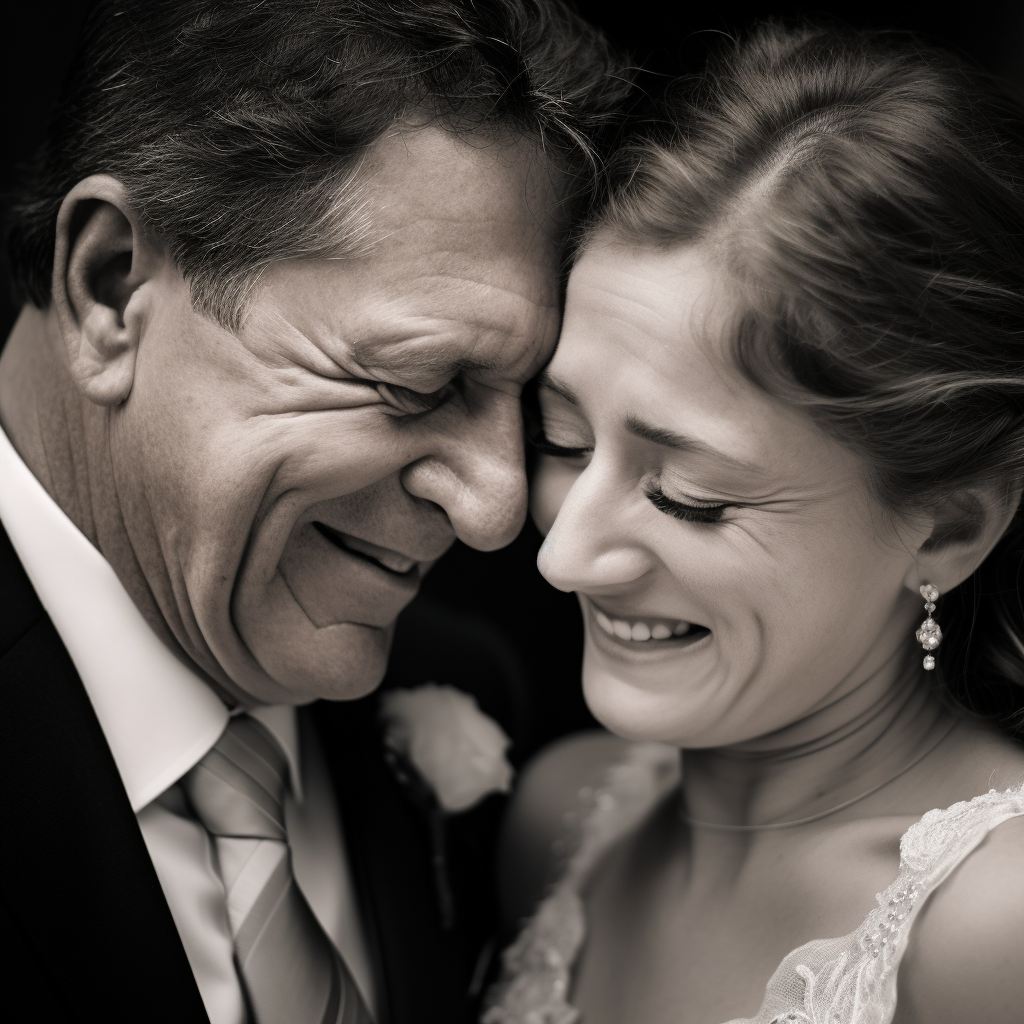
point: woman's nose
(591, 547)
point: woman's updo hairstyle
(865, 195)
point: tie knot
(238, 788)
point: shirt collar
(158, 716)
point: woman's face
(734, 570)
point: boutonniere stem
(439, 857)
(448, 756)
(419, 791)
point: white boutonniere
(448, 756)
(456, 749)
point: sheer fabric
(846, 980)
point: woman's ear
(965, 527)
(102, 257)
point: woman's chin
(685, 717)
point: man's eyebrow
(429, 365)
(681, 443)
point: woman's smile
(622, 632)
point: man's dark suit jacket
(85, 931)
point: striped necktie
(290, 970)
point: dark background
(665, 37)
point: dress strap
(846, 980)
(852, 979)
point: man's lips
(384, 558)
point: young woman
(783, 450)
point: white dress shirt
(159, 719)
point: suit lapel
(424, 973)
(76, 876)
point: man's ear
(965, 527)
(102, 258)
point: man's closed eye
(411, 402)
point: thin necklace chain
(773, 825)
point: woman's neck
(858, 741)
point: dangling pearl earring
(929, 636)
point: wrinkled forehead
(462, 271)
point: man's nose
(593, 545)
(477, 474)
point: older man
(287, 264)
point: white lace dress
(848, 980)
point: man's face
(286, 488)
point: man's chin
(287, 656)
(340, 662)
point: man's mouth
(384, 558)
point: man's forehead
(458, 239)
(428, 174)
(464, 277)
(428, 326)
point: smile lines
(640, 630)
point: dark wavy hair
(236, 125)
(866, 194)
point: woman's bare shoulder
(963, 961)
(540, 829)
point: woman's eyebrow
(682, 443)
(657, 435)
(546, 380)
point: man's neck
(65, 442)
(44, 417)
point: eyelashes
(537, 439)
(692, 511)
(544, 447)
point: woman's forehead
(647, 337)
(659, 322)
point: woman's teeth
(639, 630)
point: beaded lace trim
(846, 980)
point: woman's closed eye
(690, 510)
(545, 447)
(538, 439)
